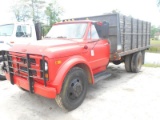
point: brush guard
(11, 69)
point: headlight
(44, 70)
(46, 66)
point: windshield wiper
(56, 37)
(47, 37)
(4, 34)
(61, 37)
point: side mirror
(105, 30)
(38, 29)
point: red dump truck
(75, 54)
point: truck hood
(50, 48)
(4, 42)
(5, 38)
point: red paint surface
(70, 53)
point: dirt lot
(152, 58)
(124, 96)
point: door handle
(85, 47)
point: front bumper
(1, 58)
(45, 91)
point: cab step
(101, 76)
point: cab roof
(75, 21)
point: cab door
(23, 35)
(98, 49)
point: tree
(21, 11)
(25, 9)
(154, 30)
(52, 12)
(37, 9)
(115, 11)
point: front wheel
(74, 89)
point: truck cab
(15, 33)
(61, 66)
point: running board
(101, 76)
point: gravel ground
(123, 96)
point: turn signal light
(46, 75)
(58, 62)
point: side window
(89, 34)
(23, 31)
(94, 34)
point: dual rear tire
(134, 62)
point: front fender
(65, 67)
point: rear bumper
(45, 91)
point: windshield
(6, 30)
(73, 30)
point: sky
(141, 9)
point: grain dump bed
(126, 34)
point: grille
(24, 65)
(33, 61)
(23, 69)
(24, 60)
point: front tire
(74, 89)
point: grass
(155, 42)
(155, 46)
(152, 65)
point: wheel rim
(75, 89)
(139, 62)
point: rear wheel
(74, 89)
(136, 62)
(128, 59)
